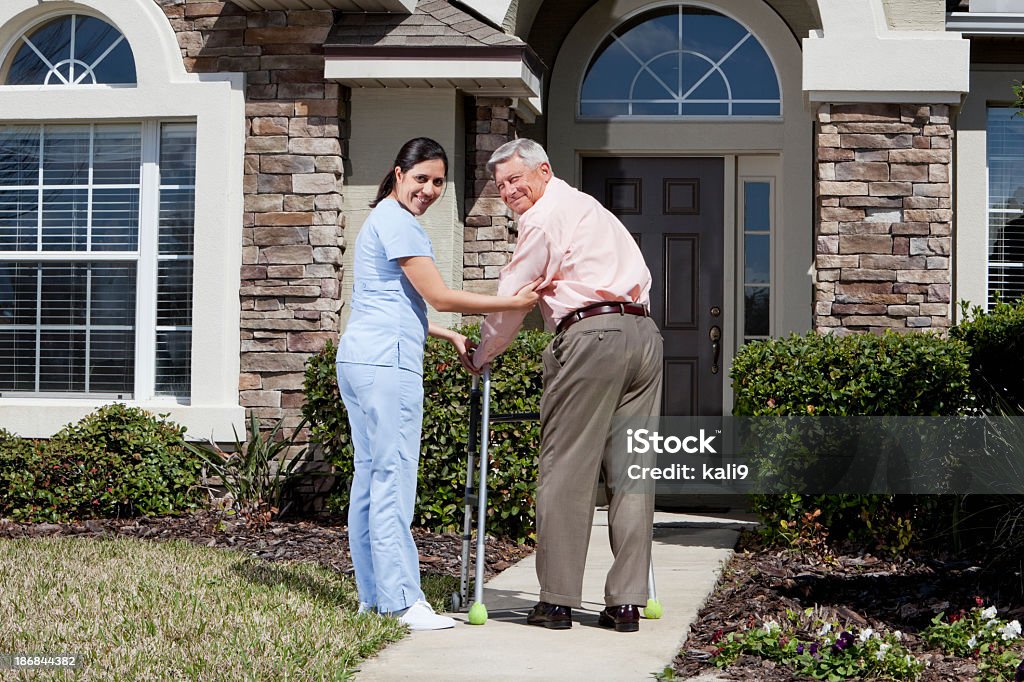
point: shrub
(856, 375)
(515, 387)
(996, 342)
(117, 461)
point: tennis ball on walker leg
(477, 614)
(653, 609)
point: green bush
(856, 375)
(117, 461)
(515, 387)
(996, 342)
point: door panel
(674, 208)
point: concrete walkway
(688, 554)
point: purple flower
(799, 649)
(814, 648)
(1019, 677)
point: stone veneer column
(489, 232)
(292, 225)
(884, 204)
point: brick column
(489, 236)
(292, 224)
(884, 206)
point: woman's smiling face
(420, 186)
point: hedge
(914, 374)
(515, 387)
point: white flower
(972, 642)
(1011, 630)
(898, 635)
(989, 613)
(908, 658)
(882, 648)
(771, 626)
(825, 629)
(865, 635)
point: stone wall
(884, 207)
(489, 236)
(293, 225)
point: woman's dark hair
(416, 150)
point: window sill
(43, 417)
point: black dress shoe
(625, 618)
(550, 616)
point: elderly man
(604, 362)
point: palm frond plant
(258, 475)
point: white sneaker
(421, 616)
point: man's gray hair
(532, 154)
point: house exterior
(179, 178)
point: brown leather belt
(600, 308)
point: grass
(139, 611)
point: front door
(674, 208)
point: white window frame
(164, 91)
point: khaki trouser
(602, 367)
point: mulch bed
(323, 542)
(859, 590)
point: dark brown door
(674, 207)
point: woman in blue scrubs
(380, 374)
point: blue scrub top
(388, 322)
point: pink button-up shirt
(583, 255)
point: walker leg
(478, 612)
(468, 496)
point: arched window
(71, 50)
(680, 61)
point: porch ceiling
(402, 6)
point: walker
(460, 599)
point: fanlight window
(71, 50)
(680, 61)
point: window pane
(117, 156)
(115, 219)
(757, 254)
(19, 217)
(174, 293)
(1005, 204)
(19, 287)
(757, 213)
(101, 55)
(66, 155)
(17, 360)
(111, 362)
(19, 156)
(62, 361)
(755, 311)
(93, 38)
(173, 363)
(705, 60)
(113, 295)
(178, 154)
(65, 219)
(177, 220)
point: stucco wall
(915, 15)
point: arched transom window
(680, 61)
(71, 50)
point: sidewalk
(688, 553)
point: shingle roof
(434, 23)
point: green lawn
(141, 610)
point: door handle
(716, 347)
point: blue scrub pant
(385, 412)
